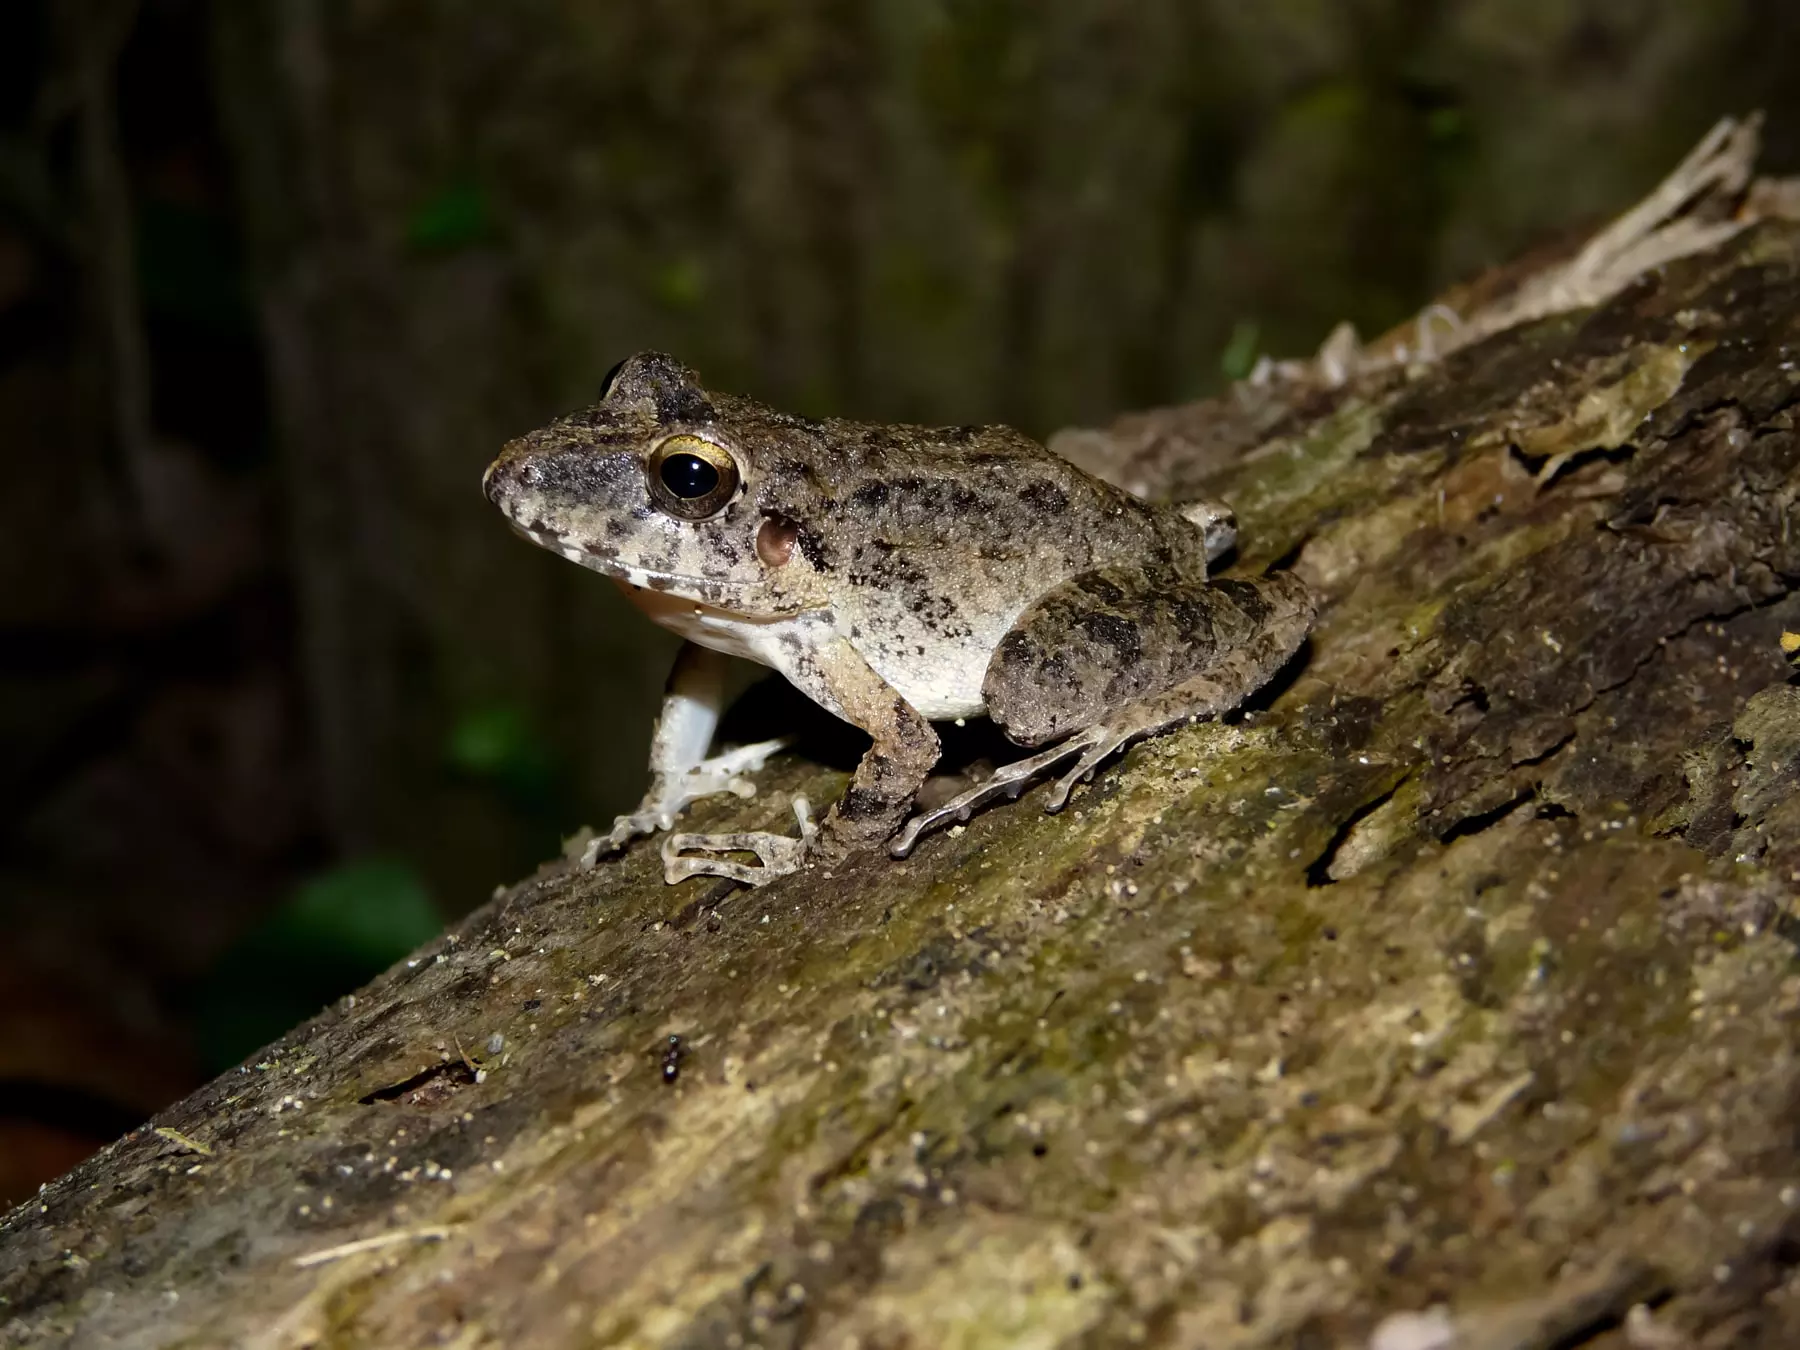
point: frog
(899, 576)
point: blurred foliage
(340, 929)
(498, 745)
(457, 217)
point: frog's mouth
(604, 559)
(712, 625)
(598, 557)
(726, 597)
(595, 556)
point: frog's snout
(508, 475)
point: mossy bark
(1457, 972)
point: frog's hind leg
(1007, 781)
(1121, 654)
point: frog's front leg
(881, 790)
(680, 772)
(1122, 653)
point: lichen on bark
(1458, 970)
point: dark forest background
(279, 693)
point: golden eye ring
(691, 478)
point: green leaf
(1239, 357)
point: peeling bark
(1458, 972)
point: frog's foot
(1092, 746)
(672, 794)
(778, 855)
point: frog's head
(655, 486)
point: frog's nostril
(506, 474)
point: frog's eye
(691, 478)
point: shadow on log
(1447, 997)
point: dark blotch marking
(812, 548)
(1193, 621)
(1118, 633)
(870, 496)
(683, 403)
(1246, 597)
(724, 550)
(1100, 588)
(1016, 648)
(862, 804)
(934, 610)
(1045, 498)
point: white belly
(942, 684)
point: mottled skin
(896, 575)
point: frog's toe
(777, 855)
(725, 772)
(1095, 745)
(587, 848)
(670, 796)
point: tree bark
(1456, 974)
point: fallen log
(1445, 996)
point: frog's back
(990, 492)
(938, 539)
